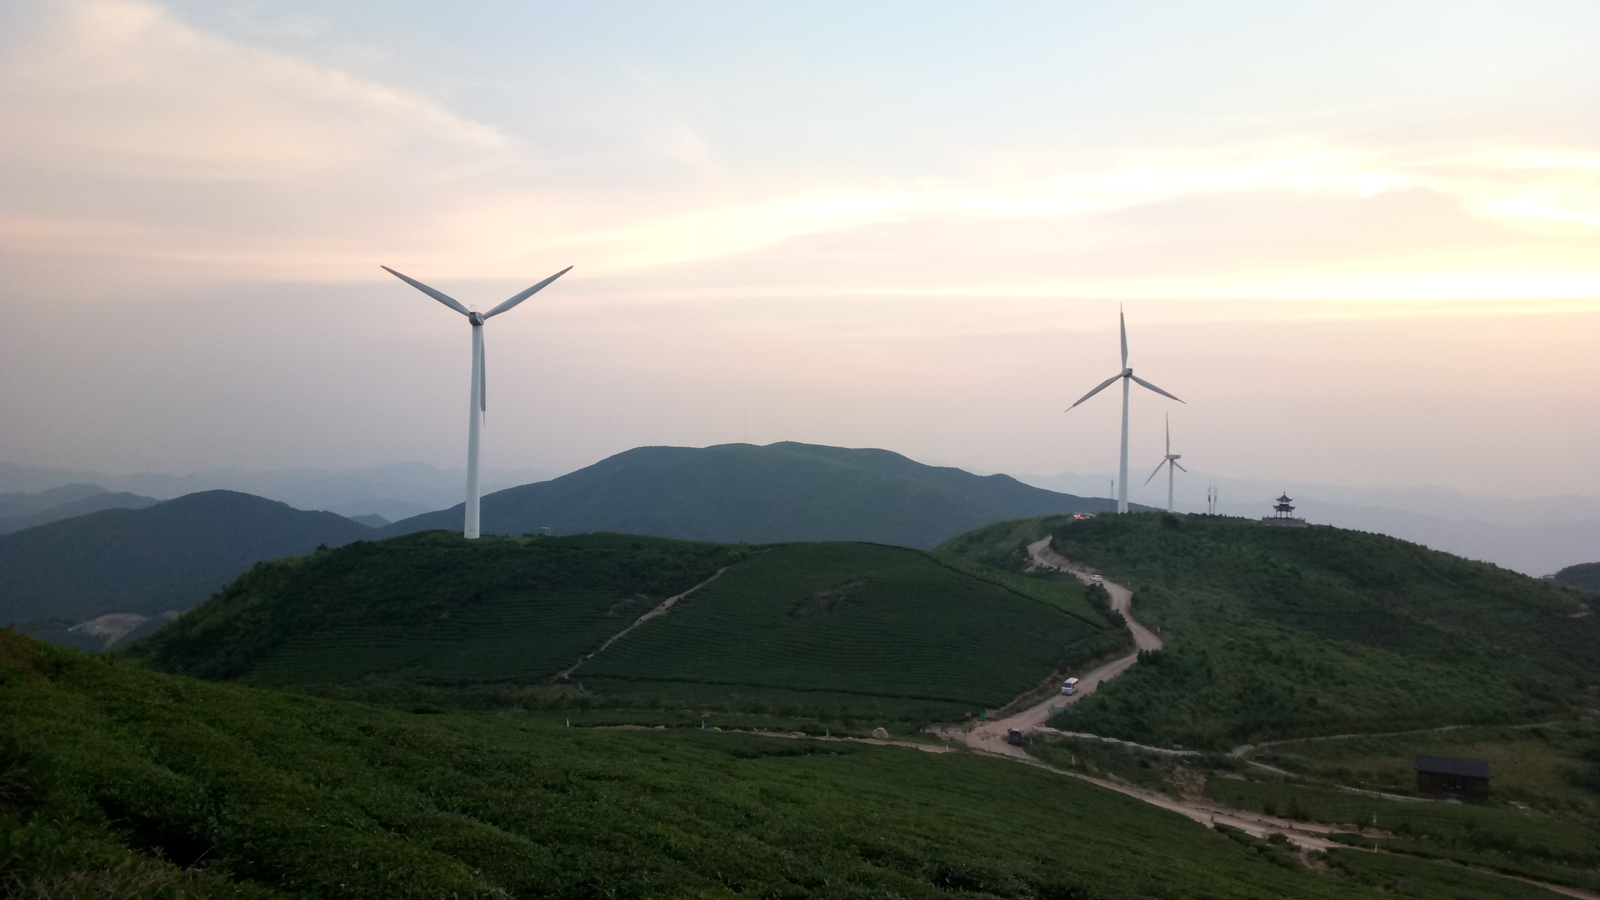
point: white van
(1069, 687)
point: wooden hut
(1467, 778)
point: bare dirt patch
(829, 601)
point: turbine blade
(1169, 434)
(525, 294)
(1154, 388)
(1179, 465)
(1123, 321)
(1156, 472)
(444, 298)
(1103, 385)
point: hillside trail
(990, 736)
(659, 610)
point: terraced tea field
(431, 608)
(831, 632)
(858, 619)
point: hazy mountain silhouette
(779, 492)
(19, 511)
(169, 556)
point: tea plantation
(792, 635)
(119, 781)
(1281, 632)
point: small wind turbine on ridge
(1171, 462)
(469, 527)
(1125, 376)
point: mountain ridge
(743, 493)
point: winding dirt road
(990, 736)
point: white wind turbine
(1125, 376)
(479, 402)
(1171, 462)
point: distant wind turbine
(1125, 376)
(479, 401)
(1171, 462)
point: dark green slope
(166, 557)
(777, 493)
(859, 619)
(1584, 577)
(1276, 632)
(431, 607)
(123, 782)
(830, 630)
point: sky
(1360, 240)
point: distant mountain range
(166, 557)
(392, 491)
(745, 493)
(19, 511)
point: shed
(1467, 778)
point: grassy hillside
(856, 619)
(820, 631)
(430, 607)
(1282, 632)
(169, 556)
(1584, 577)
(118, 781)
(744, 493)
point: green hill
(1278, 632)
(777, 493)
(169, 556)
(828, 631)
(118, 781)
(1584, 577)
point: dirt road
(990, 736)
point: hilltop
(1584, 578)
(824, 631)
(120, 781)
(1275, 633)
(169, 556)
(748, 494)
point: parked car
(1069, 687)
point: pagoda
(1283, 514)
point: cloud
(141, 150)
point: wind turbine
(1171, 462)
(1125, 376)
(479, 402)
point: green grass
(891, 637)
(1275, 633)
(1551, 768)
(112, 775)
(1499, 837)
(1406, 877)
(905, 626)
(430, 608)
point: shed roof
(1444, 765)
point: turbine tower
(479, 401)
(1171, 462)
(1125, 376)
